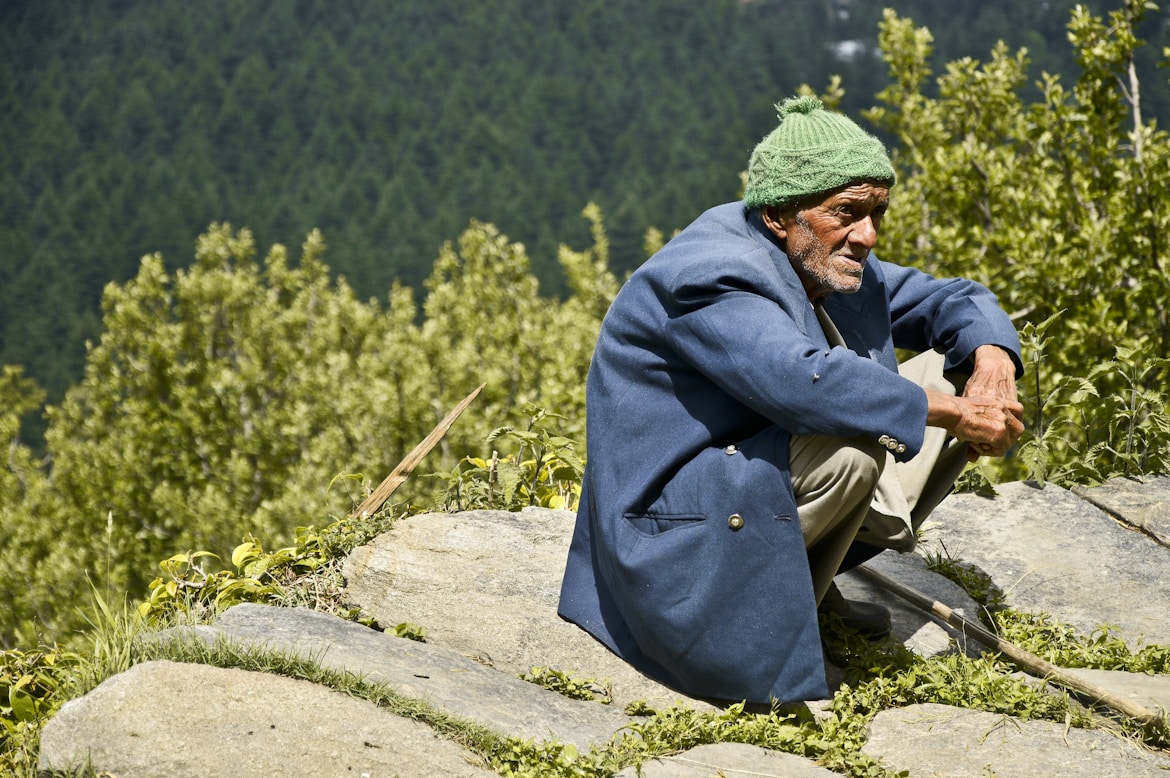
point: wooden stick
(399, 475)
(1028, 661)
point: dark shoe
(868, 618)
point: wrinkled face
(828, 242)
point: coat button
(901, 449)
(730, 450)
(884, 440)
(735, 521)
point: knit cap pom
(812, 151)
(803, 104)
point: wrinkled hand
(987, 416)
(989, 425)
(994, 374)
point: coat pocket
(716, 567)
(655, 524)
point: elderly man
(750, 432)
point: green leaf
(24, 707)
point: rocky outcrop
(170, 719)
(939, 740)
(483, 585)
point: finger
(1015, 427)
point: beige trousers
(854, 489)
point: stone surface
(193, 721)
(938, 741)
(728, 759)
(1053, 552)
(443, 678)
(486, 584)
(1149, 691)
(1141, 502)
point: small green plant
(30, 692)
(1035, 452)
(544, 471)
(410, 632)
(971, 579)
(984, 683)
(677, 729)
(1124, 403)
(524, 759)
(305, 573)
(187, 588)
(980, 478)
(1063, 645)
(639, 708)
(562, 683)
(34, 684)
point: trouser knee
(863, 460)
(820, 462)
(834, 481)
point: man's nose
(864, 233)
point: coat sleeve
(953, 315)
(740, 329)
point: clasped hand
(989, 425)
(987, 416)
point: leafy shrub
(1056, 205)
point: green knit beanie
(812, 151)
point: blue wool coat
(687, 559)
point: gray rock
(1050, 551)
(1142, 502)
(184, 720)
(728, 759)
(450, 682)
(922, 634)
(486, 584)
(1149, 691)
(938, 741)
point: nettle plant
(1112, 421)
(196, 585)
(30, 692)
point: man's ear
(775, 220)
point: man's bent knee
(834, 481)
(818, 462)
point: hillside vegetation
(255, 391)
(128, 126)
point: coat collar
(792, 291)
